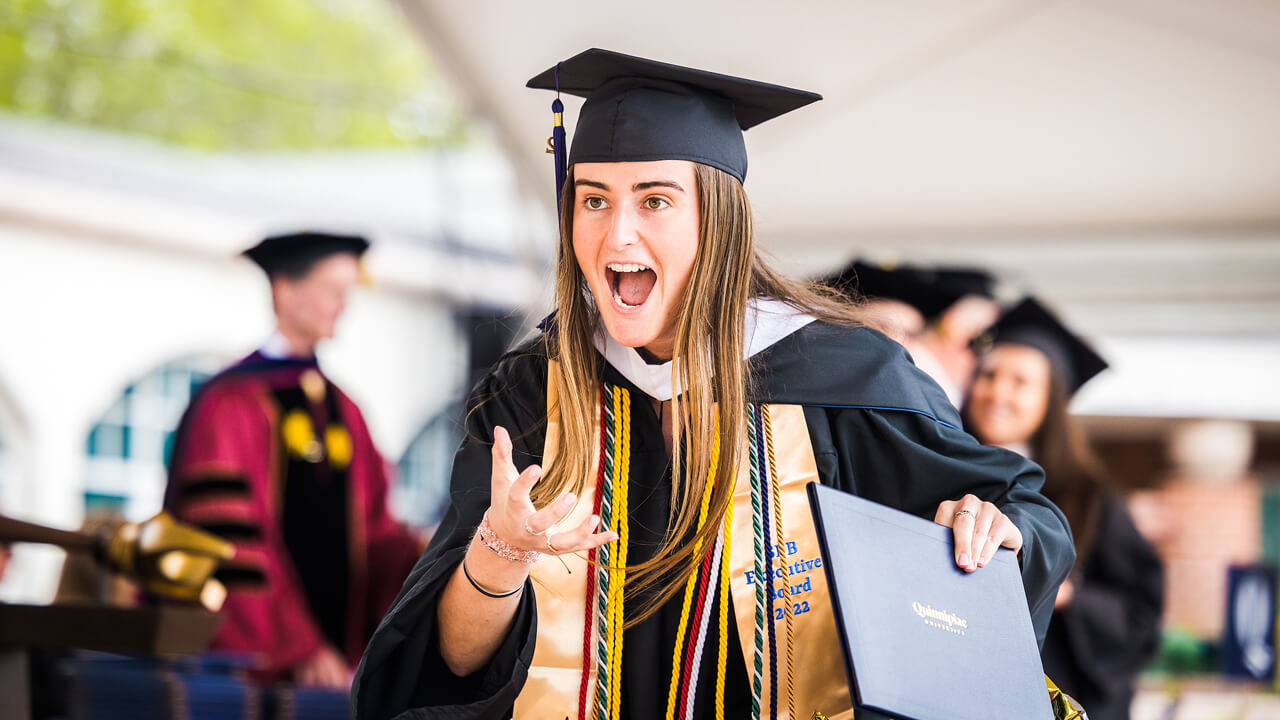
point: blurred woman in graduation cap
(935, 312)
(274, 457)
(600, 442)
(1106, 621)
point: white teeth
(618, 299)
(626, 267)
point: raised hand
(518, 523)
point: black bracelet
(482, 589)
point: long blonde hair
(709, 361)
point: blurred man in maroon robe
(272, 456)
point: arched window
(421, 492)
(128, 449)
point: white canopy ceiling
(1119, 157)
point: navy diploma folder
(922, 639)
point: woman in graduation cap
(684, 577)
(1106, 622)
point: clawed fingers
(597, 539)
(512, 515)
(504, 469)
(542, 520)
(582, 537)
(518, 492)
(509, 487)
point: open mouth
(631, 283)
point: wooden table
(154, 630)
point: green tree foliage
(247, 75)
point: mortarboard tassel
(557, 142)
(558, 149)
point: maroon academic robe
(275, 458)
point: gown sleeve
(913, 461)
(402, 669)
(1112, 625)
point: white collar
(276, 347)
(768, 321)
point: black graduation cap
(931, 290)
(293, 254)
(638, 109)
(1032, 324)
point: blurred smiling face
(1010, 394)
(635, 237)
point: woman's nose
(622, 229)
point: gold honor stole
(810, 673)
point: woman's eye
(595, 202)
(655, 203)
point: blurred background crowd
(1117, 160)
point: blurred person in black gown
(934, 312)
(1106, 620)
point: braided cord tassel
(770, 552)
(689, 692)
(758, 537)
(621, 444)
(674, 691)
(605, 491)
(622, 406)
(592, 558)
(702, 608)
(722, 652)
(786, 575)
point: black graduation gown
(879, 427)
(1098, 644)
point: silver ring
(529, 529)
(551, 548)
(965, 511)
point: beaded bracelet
(501, 547)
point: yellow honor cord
(621, 475)
(722, 651)
(776, 501)
(693, 575)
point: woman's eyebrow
(591, 183)
(657, 183)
